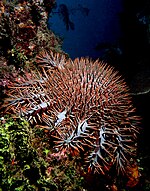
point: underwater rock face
(87, 107)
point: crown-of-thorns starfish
(87, 106)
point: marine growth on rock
(87, 106)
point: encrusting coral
(24, 29)
(85, 105)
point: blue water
(101, 25)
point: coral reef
(82, 107)
(26, 162)
(24, 29)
